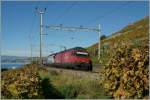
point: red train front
(77, 58)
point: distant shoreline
(15, 63)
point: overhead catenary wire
(46, 5)
(31, 33)
(61, 46)
(108, 13)
(74, 29)
(77, 29)
(67, 10)
(33, 20)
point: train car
(50, 59)
(77, 58)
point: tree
(103, 37)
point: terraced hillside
(133, 33)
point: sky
(21, 21)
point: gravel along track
(93, 75)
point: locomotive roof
(75, 48)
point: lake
(11, 65)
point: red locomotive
(77, 58)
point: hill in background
(133, 33)
(14, 59)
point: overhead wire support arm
(80, 29)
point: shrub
(69, 90)
(21, 83)
(126, 75)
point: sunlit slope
(131, 33)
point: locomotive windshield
(82, 54)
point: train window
(82, 54)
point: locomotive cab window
(82, 54)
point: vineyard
(124, 56)
(21, 83)
(127, 74)
(131, 34)
(124, 72)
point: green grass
(71, 87)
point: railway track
(93, 75)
